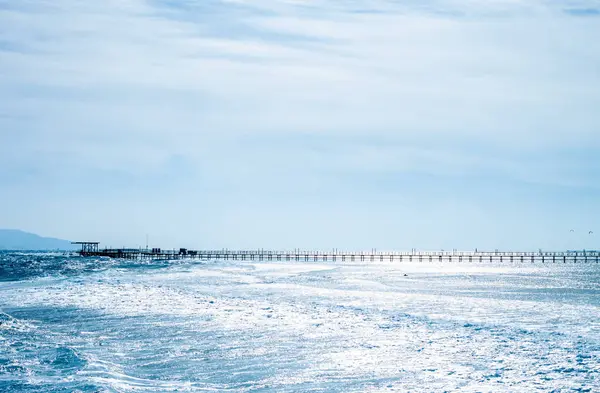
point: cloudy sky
(352, 124)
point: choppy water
(69, 324)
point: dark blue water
(71, 324)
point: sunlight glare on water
(76, 324)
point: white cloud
(450, 88)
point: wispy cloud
(223, 97)
(583, 11)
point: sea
(74, 324)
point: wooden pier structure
(91, 249)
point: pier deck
(342, 256)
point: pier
(91, 249)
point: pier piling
(91, 249)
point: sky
(353, 124)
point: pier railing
(338, 255)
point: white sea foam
(351, 327)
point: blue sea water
(72, 324)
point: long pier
(90, 249)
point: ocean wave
(16, 266)
(245, 327)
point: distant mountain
(12, 239)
